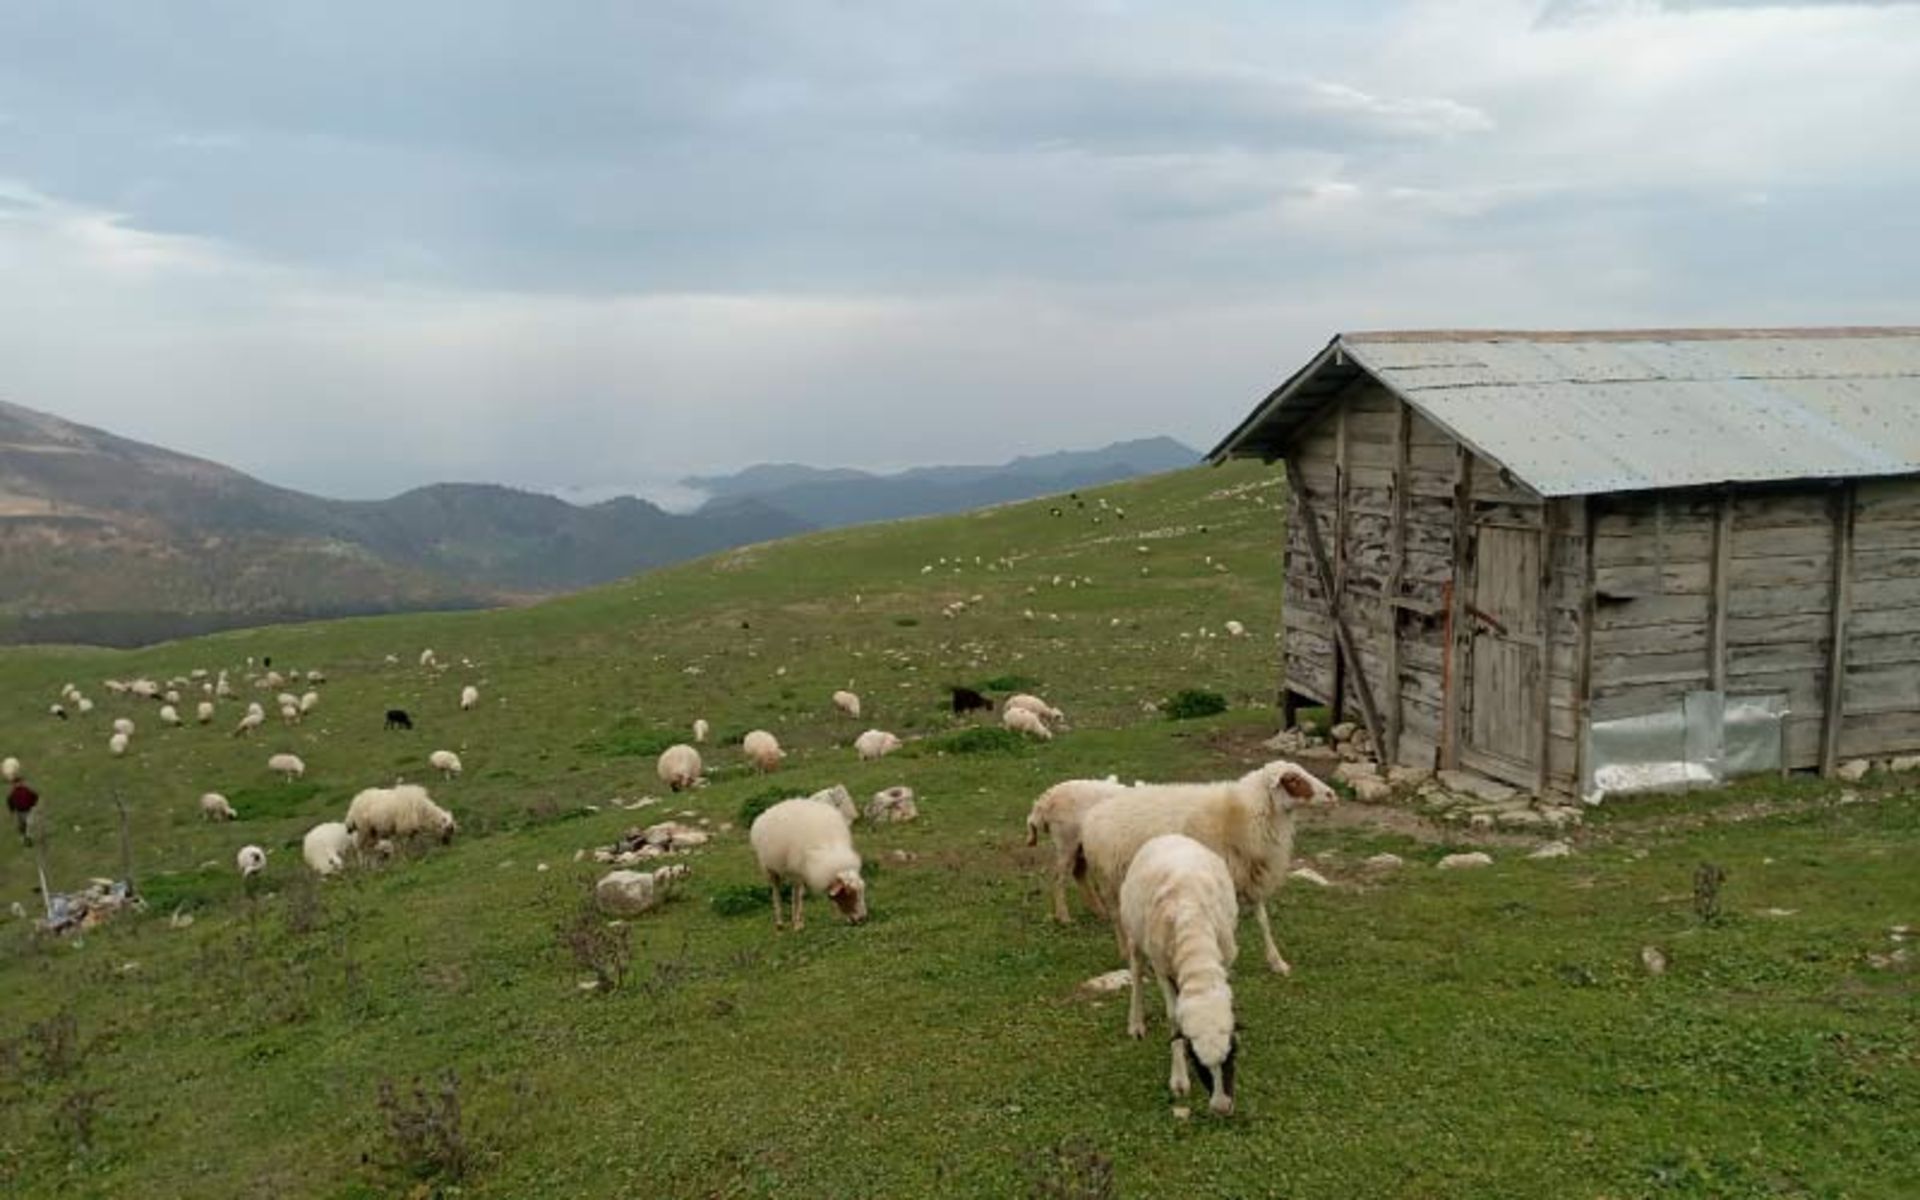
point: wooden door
(1503, 615)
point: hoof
(1136, 1031)
(1280, 966)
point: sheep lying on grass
(1059, 812)
(1248, 822)
(1177, 911)
(679, 767)
(214, 807)
(397, 812)
(807, 844)
(326, 847)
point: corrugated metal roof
(1578, 413)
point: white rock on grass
(630, 893)
(1466, 783)
(1653, 960)
(1854, 770)
(1384, 862)
(1553, 850)
(1373, 791)
(1309, 875)
(1461, 862)
(1910, 762)
(893, 804)
(1105, 985)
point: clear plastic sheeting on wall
(1701, 740)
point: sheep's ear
(836, 888)
(1295, 783)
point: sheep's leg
(1062, 867)
(1279, 965)
(1136, 1021)
(779, 922)
(799, 894)
(1176, 1074)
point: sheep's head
(447, 825)
(849, 894)
(1205, 1020)
(1290, 785)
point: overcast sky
(355, 247)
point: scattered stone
(1854, 770)
(893, 804)
(1481, 821)
(1384, 862)
(1373, 791)
(1899, 933)
(1847, 796)
(1309, 875)
(101, 900)
(1653, 960)
(1459, 862)
(1553, 850)
(1519, 818)
(1182, 1113)
(1344, 731)
(904, 856)
(1479, 787)
(1905, 763)
(1353, 772)
(1408, 777)
(1106, 985)
(180, 919)
(1778, 912)
(630, 893)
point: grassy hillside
(1487, 1033)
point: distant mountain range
(844, 496)
(112, 541)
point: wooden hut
(1518, 546)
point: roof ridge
(1629, 335)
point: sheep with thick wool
(679, 767)
(203, 712)
(446, 762)
(1036, 705)
(251, 721)
(117, 744)
(807, 844)
(762, 749)
(847, 703)
(400, 811)
(251, 860)
(287, 766)
(875, 743)
(1178, 912)
(469, 697)
(169, 715)
(700, 728)
(215, 807)
(10, 769)
(1058, 813)
(123, 725)
(1247, 821)
(1027, 721)
(326, 847)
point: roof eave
(1231, 445)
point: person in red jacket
(20, 802)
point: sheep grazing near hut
(807, 845)
(1178, 912)
(1059, 812)
(1247, 821)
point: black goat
(397, 718)
(965, 700)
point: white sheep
(679, 767)
(1035, 705)
(308, 702)
(290, 713)
(123, 725)
(808, 845)
(426, 658)
(251, 860)
(1025, 720)
(83, 706)
(316, 677)
(57, 710)
(203, 713)
(875, 743)
(397, 812)
(1247, 821)
(1058, 813)
(117, 744)
(1177, 910)
(251, 721)
(288, 765)
(10, 769)
(847, 703)
(287, 700)
(214, 807)
(326, 847)
(469, 696)
(762, 749)
(700, 728)
(1236, 629)
(169, 715)
(172, 696)
(446, 762)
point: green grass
(1486, 1033)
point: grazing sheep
(117, 744)
(214, 807)
(1025, 720)
(875, 743)
(966, 700)
(326, 847)
(172, 696)
(203, 712)
(847, 703)
(679, 767)
(1059, 812)
(288, 765)
(1248, 822)
(57, 710)
(1177, 910)
(762, 749)
(290, 714)
(700, 728)
(251, 860)
(10, 769)
(82, 705)
(253, 720)
(446, 762)
(397, 718)
(427, 659)
(1035, 705)
(316, 677)
(169, 715)
(122, 725)
(397, 812)
(308, 702)
(469, 696)
(808, 845)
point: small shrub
(278, 798)
(423, 1128)
(983, 739)
(742, 899)
(1189, 703)
(77, 1115)
(760, 802)
(624, 740)
(188, 890)
(1072, 1170)
(906, 622)
(595, 944)
(1007, 683)
(1706, 892)
(54, 1045)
